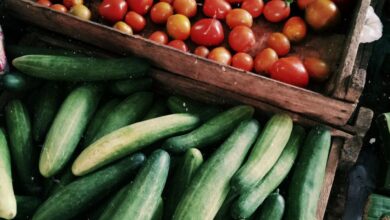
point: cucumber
(158, 109)
(224, 211)
(112, 205)
(265, 153)
(308, 177)
(18, 82)
(45, 108)
(158, 213)
(18, 51)
(182, 177)
(58, 183)
(67, 128)
(26, 206)
(383, 124)
(128, 87)
(84, 192)
(130, 110)
(210, 185)
(214, 130)
(8, 200)
(64, 68)
(272, 208)
(130, 139)
(250, 200)
(23, 152)
(377, 207)
(142, 198)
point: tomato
(59, 7)
(279, 42)
(159, 37)
(242, 61)
(221, 55)
(185, 7)
(264, 60)
(302, 4)
(178, 44)
(178, 27)
(241, 39)
(318, 69)
(295, 29)
(167, 1)
(123, 27)
(237, 17)
(140, 6)
(71, 3)
(46, 3)
(113, 10)
(290, 70)
(202, 51)
(322, 14)
(234, 1)
(216, 8)
(207, 32)
(254, 7)
(81, 11)
(160, 12)
(276, 10)
(135, 20)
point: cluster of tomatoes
(75, 7)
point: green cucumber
(18, 51)
(128, 87)
(17, 82)
(158, 109)
(158, 213)
(113, 203)
(272, 208)
(251, 199)
(142, 198)
(65, 68)
(265, 153)
(58, 183)
(383, 124)
(210, 185)
(84, 192)
(308, 177)
(224, 211)
(129, 111)
(179, 104)
(130, 139)
(214, 130)
(27, 205)
(182, 177)
(8, 200)
(377, 207)
(68, 128)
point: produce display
(377, 207)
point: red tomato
(234, 1)
(276, 10)
(221, 55)
(135, 20)
(59, 7)
(71, 3)
(202, 51)
(295, 29)
(113, 10)
(241, 39)
(254, 7)
(178, 27)
(159, 37)
(46, 3)
(207, 32)
(264, 60)
(160, 12)
(302, 4)
(185, 7)
(123, 27)
(237, 17)
(140, 6)
(279, 42)
(81, 11)
(178, 44)
(322, 14)
(216, 8)
(242, 61)
(318, 69)
(290, 70)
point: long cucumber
(158, 109)
(131, 86)
(272, 208)
(27, 205)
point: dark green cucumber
(158, 109)
(214, 130)
(224, 211)
(377, 208)
(210, 185)
(112, 205)
(250, 200)
(27, 205)
(8, 200)
(179, 104)
(308, 177)
(142, 198)
(17, 82)
(130, 139)
(272, 208)
(158, 213)
(18, 51)
(269, 146)
(129, 111)
(63, 180)
(383, 123)
(128, 87)
(182, 177)
(67, 128)
(84, 192)
(23, 152)
(64, 68)
(45, 108)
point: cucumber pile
(117, 150)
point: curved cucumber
(130, 139)
(210, 185)
(265, 153)
(158, 109)
(131, 86)
(214, 130)
(272, 208)
(26, 206)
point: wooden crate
(333, 105)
